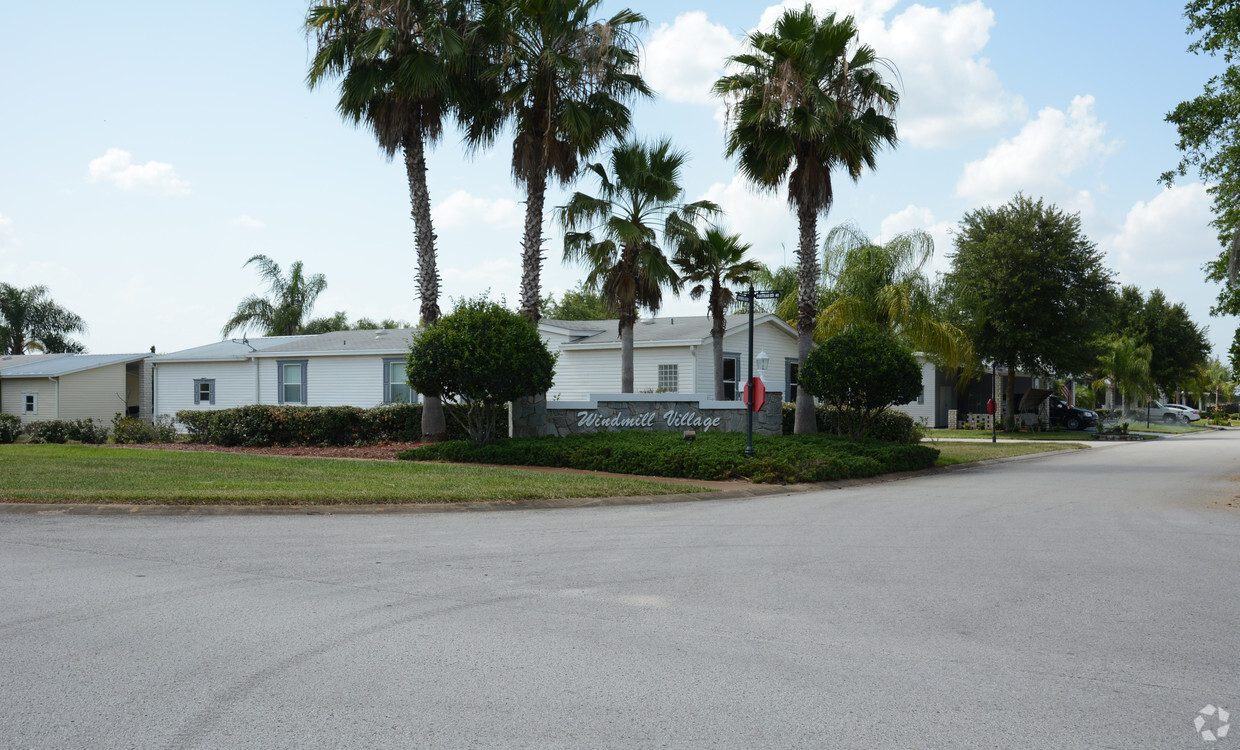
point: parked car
(1070, 417)
(1158, 412)
(1193, 414)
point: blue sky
(150, 148)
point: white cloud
(461, 209)
(1168, 235)
(682, 61)
(115, 166)
(949, 92)
(1163, 244)
(763, 219)
(1037, 161)
(8, 238)
(247, 222)
(862, 10)
(913, 217)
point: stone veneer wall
(146, 396)
(641, 411)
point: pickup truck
(1158, 412)
(1071, 417)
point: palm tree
(400, 64)
(286, 310)
(1219, 380)
(563, 80)
(1124, 366)
(885, 286)
(715, 261)
(616, 234)
(31, 321)
(782, 279)
(808, 99)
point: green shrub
(10, 428)
(87, 431)
(482, 356)
(861, 372)
(263, 426)
(48, 431)
(889, 426)
(794, 458)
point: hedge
(10, 427)
(794, 458)
(263, 426)
(890, 426)
(85, 431)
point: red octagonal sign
(759, 394)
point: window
(291, 381)
(204, 391)
(30, 403)
(669, 378)
(731, 371)
(396, 388)
(921, 397)
(794, 371)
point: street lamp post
(750, 296)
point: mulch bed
(383, 452)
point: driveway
(1079, 599)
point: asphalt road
(1078, 600)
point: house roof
(16, 360)
(381, 341)
(67, 364)
(227, 349)
(669, 331)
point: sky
(148, 149)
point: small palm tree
(1125, 367)
(616, 234)
(562, 80)
(715, 262)
(885, 286)
(288, 306)
(808, 99)
(31, 321)
(402, 66)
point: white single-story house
(73, 386)
(344, 368)
(671, 355)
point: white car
(1193, 414)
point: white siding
(925, 411)
(331, 381)
(174, 385)
(11, 401)
(98, 394)
(778, 345)
(578, 373)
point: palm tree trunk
(807, 309)
(434, 427)
(627, 320)
(718, 325)
(531, 246)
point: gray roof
(227, 349)
(53, 367)
(16, 360)
(381, 341)
(695, 328)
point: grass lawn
(985, 435)
(1172, 429)
(961, 453)
(89, 474)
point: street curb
(749, 491)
